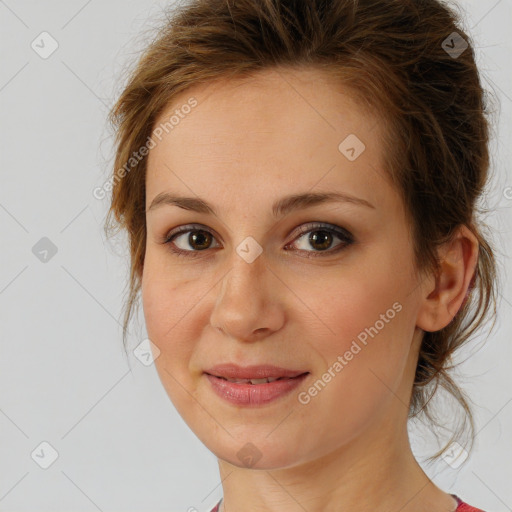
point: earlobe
(446, 293)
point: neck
(359, 476)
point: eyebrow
(280, 208)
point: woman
(298, 181)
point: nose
(249, 304)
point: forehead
(277, 130)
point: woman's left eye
(320, 237)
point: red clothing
(463, 507)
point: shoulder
(465, 507)
(216, 508)
(462, 506)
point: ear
(445, 293)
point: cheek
(168, 295)
(165, 311)
(370, 324)
(359, 301)
(167, 307)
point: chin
(255, 452)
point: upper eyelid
(187, 228)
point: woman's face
(322, 287)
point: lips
(254, 381)
(256, 374)
(253, 386)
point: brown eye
(320, 237)
(190, 240)
(199, 240)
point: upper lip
(233, 371)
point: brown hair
(397, 57)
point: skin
(247, 144)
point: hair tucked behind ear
(399, 58)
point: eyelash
(342, 234)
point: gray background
(64, 378)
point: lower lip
(253, 394)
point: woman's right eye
(197, 238)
